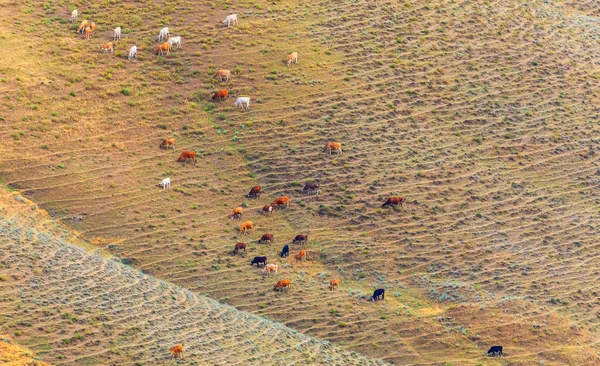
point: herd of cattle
(87, 29)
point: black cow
(495, 351)
(311, 187)
(285, 251)
(258, 261)
(379, 293)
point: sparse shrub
(125, 92)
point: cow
(106, 48)
(393, 201)
(266, 238)
(93, 27)
(311, 187)
(334, 284)
(236, 213)
(292, 58)
(117, 33)
(220, 95)
(254, 192)
(231, 19)
(163, 34)
(495, 351)
(177, 350)
(132, 52)
(281, 201)
(271, 267)
(239, 247)
(300, 239)
(220, 74)
(167, 143)
(87, 33)
(258, 261)
(300, 255)
(267, 210)
(241, 101)
(283, 284)
(82, 26)
(379, 293)
(285, 251)
(247, 225)
(166, 183)
(175, 41)
(333, 146)
(187, 155)
(74, 16)
(162, 48)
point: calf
(74, 16)
(162, 48)
(106, 48)
(237, 213)
(393, 201)
(239, 247)
(167, 143)
(177, 350)
(300, 255)
(266, 238)
(254, 192)
(93, 27)
(283, 284)
(334, 284)
(300, 239)
(281, 201)
(333, 146)
(258, 261)
(82, 26)
(117, 33)
(495, 351)
(132, 52)
(271, 267)
(241, 101)
(248, 225)
(267, 210)
(166, 183)
(311, 187)
(87, 33)
(175, 41)
(163, 34)
(220, 95)
(379, 293)
(187, 155)
(285, 251)
(292, 58)
(231, 19)
(223, 74)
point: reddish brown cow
(393, 201)
(187, 155)
(281, 201)
(220, 95)
(167, 143)
(254, 192)
(247, 225)
(334, 284)
(333, 146)
(266, 238)
(283, 284)
(267, 210)
(177, 350)
(301, 255)
(239, 247)
(163, 48)
(300, 239)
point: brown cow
(333, 146)
(220, 95)
(82, 26)
(292, 58)
(301, 255)
(334, 284)
(393, 201)
(187, 155)
(167, 143)
(177, 350)
(223, 74)
(281, 201)
(237, 213)
(239, 247)
(87, 33)
(311, 187)
(163, 48)
(254, 192)
(247, 225)
(283, 284)
(109, 47)
(93, 27)
(267, 210)
(266, 238)
(300, 239)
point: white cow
(231, 20)
(166, 183)
(175, 41)
(271, 267)
(74, 16)
(117, 33)
(164, 34)
(241, 101)
(132, 52)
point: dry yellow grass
(15, 355)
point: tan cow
(82, 26)
(292, 58)
(237, 213)
(333, 146)
(108, 48)
(271, 267)
(163, 48)
(223, 74)
(247, 225)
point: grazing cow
(74, 16)
(241, 101)
(267, 210)
(109, 47)
(167, 143)
(334, 284)
(283, 284)
(166, 183)
(163, 34)
(258, 261)
(177, 350)
(82, 26)
(87, 33)
(311, 187)
(271, 267)
(237, 213)
(266, 238)
(162, 48)
(132, 52)
(93, 27)
(223, 74)
(393, 201)
(300, 239)
(333, 146)
(292, 58)
(300, 255)
(495, 351)
(175, 41)
(281, 201)
(239, 247)
(187, 155)
(379, 293)
(254, 192)
(220, 95)
(285, 251)
(231, 19)
(247, 225)
(117, 33)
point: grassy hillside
(483, 115)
